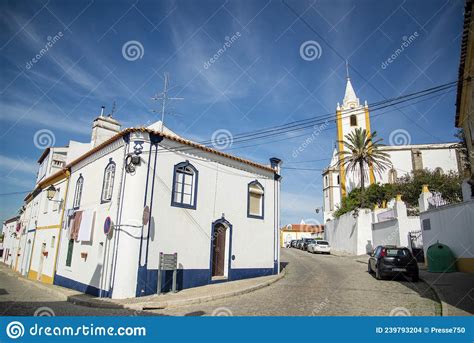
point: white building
(11, 237)
(338, 182)
(164, 194)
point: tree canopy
(409, 186)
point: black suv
(390, 260)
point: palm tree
(363, 149)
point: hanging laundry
(87, 222)
(76, 225)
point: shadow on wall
(369, 248)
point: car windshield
(323, 243)
(397, 252)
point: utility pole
(164, 98)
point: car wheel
(368, 268)
(378, 276)
(415, 278)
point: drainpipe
(276, 165)
(61, 221)
(118, 216)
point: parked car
(298, 244)
(319, 246)
(306, 242)
(290, 243)
(293, 243)
(303, 244)
(390, 260)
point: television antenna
(164, 98)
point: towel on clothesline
(87, 222)
(76, 224)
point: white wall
(90, 270)
(341, 234)
(386, 233)
(451, 225)
(222, 191)
(48, 232)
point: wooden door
(218, 251)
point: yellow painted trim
(340, 138)
(465, 265)
(68, 174)
(367, 128)
(32, 252)
(61, 176)
(33, 275)
(48, 227)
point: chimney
(103, 128)
(275, 163)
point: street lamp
(51, 192)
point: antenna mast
(164, 98)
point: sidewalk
(455, 290)
(182, 298)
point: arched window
(185, 182)
(353, 120)
(439, 171)
(255, 197)
(392, 176)
(78, 192)
(108, 182)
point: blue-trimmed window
(255, 200)
(78, 192)
(108, 182)
(185, 182)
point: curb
(179, 303)
(82, 299)
(444, 307)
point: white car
(319, 246)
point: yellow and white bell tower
(350, 116)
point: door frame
(228, 225)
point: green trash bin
(440, 259)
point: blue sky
(261, 80)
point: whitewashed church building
(163, 194)
(338, 182)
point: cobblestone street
(324, 285)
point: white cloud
(14, 165)
(22, 114)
